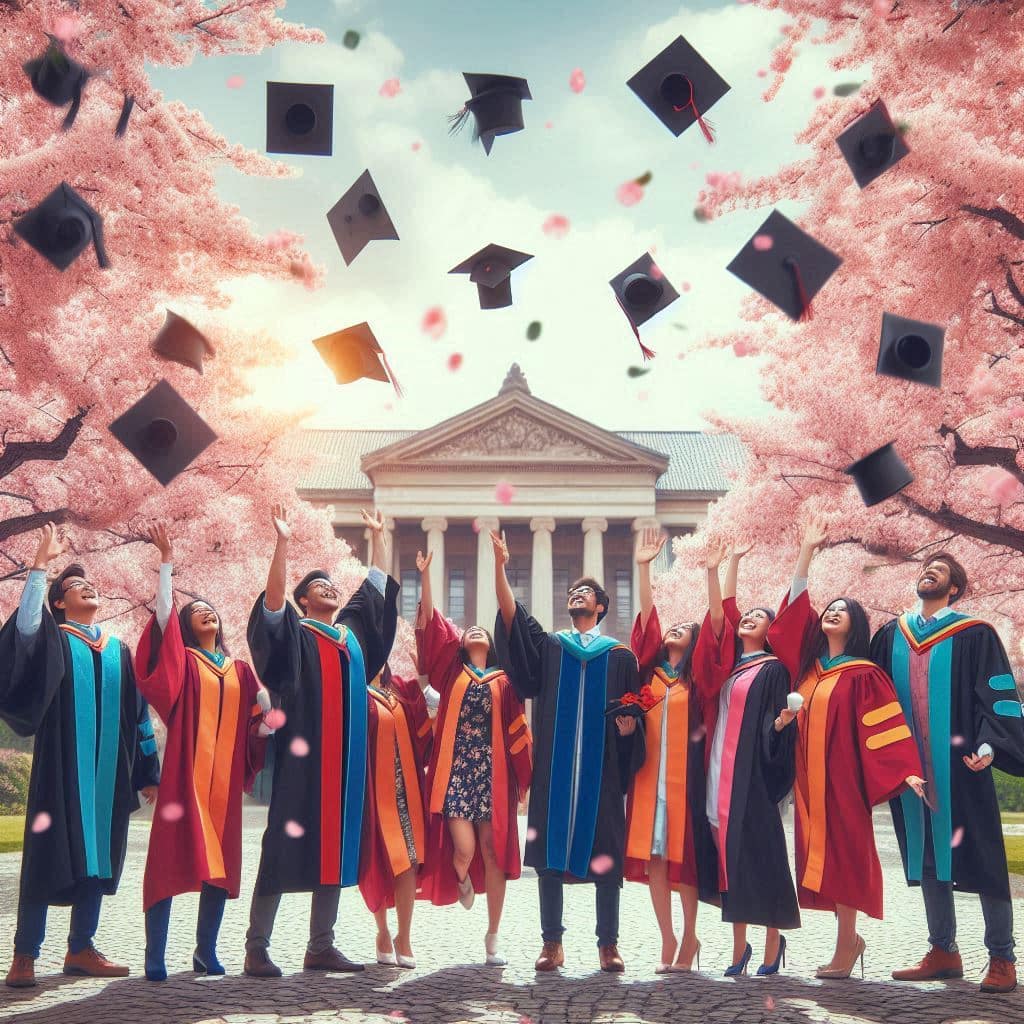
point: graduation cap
(872, 144)
(300, 118)
(496, 106)
(62, 226)
(58, 79)
(679, 87)
(789, 271)
(641, 290)
(490, 270)
(359, 217)
(911, 350)
(163, 432)
(180, 342)
(355, 354)
(880, 475)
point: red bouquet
(635, 704)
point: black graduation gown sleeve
(146, 766)
(778, 749)
(30, 674)
(373, 619)
(881, 647)
(520, 652)
(276, 648)
(1004, 734)
(632, 749)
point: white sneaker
(494, 958)
(466, 893)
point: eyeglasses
(582, 591)
(323, 586)
(78, 585)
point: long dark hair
(492, 656)
(738, 642)
(858, 643)
(188, 636)
(685, 666)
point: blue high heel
(157, 918)
(766, 969)
(741, 967)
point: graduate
(316, 663)
(668, 841)
(479, 769)
(751, 766)
(854, 751)
(208, 701)
(957, 691)
(394, 853)
(69, 684)
(584, 756)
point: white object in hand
(263, 700)
(283, 528)
(794, 702)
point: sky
(448, 199)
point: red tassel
(705, 126)
(807, 313)
(391, 374)
(648, 353)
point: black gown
(971, 688)
(37, 698)
(288, 664)
(532, 659)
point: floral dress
(470, 783)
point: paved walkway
(451, 986)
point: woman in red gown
(854, 751)
(479, 769)
(668, 841)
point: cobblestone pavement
(451, 985)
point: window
(519, 580)
(457, 596)
(411, 588)
(561, 584)
(623, 596)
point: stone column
(639, 525)
(542, 572)
(434, 527)
(593, 547)
(486, 600)
(391, 536)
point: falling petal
(629, 193)
(454, 361)
(685, 286)
(504, 493)
(533, 331)
(388, 407)
(601, 864)
(1003, 487)
(235, 82)
(882, 8)
(958, 837)
(531, 833)
(638, 371)
(846, 88)
(549, 124)
(65, 28)
(656, 272)
(644, 179)
(392, 87)
(642, 396)
(434, 322)
(698, 734)
(819, 92)
(762, 72)
(556, 226)
(956, 741)
(294, 829)
(41, 822)
(416, 147)
(299, 747)
(172, 812)
(577, 80)
(350, 40)
(769, 1003)
(762, 243)
(275, 719)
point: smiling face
(935, 582)
(753, 627)
(80, 600)
(475, 638)
(677, 639)
(204, 623)
(321, 599)
(836, 621)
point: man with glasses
(585, 754)
(316, 662)
(66, 682)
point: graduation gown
(757, 771)
(94, 749)
(437, 649)
(212, 754)
(972, 700)
(315, 818)
(582, 767)
(400, 724)
(854, 750)
(689, 849)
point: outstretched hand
(374, 522)
(160, 538)
(715, 554)
(815, 532)
(740, 547)
(651, 543)
(51, 544)
(423, 561)
(279, 514)
(500, 547)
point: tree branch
(17, 453)
(1002, 217)
(989, 533)
(16, 525)
(998, 310)
(983, 455)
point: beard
(935, 590)
(579, 612)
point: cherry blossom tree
(939, 238)
(74, 345)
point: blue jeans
(550, 886)
(85, 918)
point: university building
(570, 495)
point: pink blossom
(881, 8)
(958, 836)
(416, 147)
(41, 822)
(769, 1003)
(391, 88)
(741, 347)
(577, 81)
(531, 833)
(293, 829)
(299, 747)
(629, 193)
(762, 72)
(282, 239)
(1003, 487)
(956, 741)
(454, 361)
(819, 92)
(434, 322)
(685, 286)
(556, 226)
(504, 493)
(275, 719)
(762, 243)
(67, 28)
(172, 811)
(656, 272)
(549, 124)
(235, 81)
(602, 864)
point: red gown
(401, 724)
(212, 754)
(854, 751)
(437, 647)
(690, 849)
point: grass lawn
(1015, 854)
(1013, 817)
(11, 829)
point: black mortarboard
(359, 217)
(496, 106)
(62, 226)
(789, 269)
(303, 585)
(490, 270)
(911, 349)
(180, 342)
(163, 432)
(300, 118)
(880, 475)
(679, 86)
(641, 291)
(355, 354)
(58, 79)
(872, 144)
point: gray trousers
(323, 913)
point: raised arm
(815, 535)
(502, 587)
(378, 540)
(715, 555)
(732, 571)
(426, 609)
(651, 543)
(277, 578)
(160, 538)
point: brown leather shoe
(552, 956)
(1001, 976)
(23, 971)
(259, 965)
(937, 963)
(90, 961)
(610, 959)
(330, 960)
